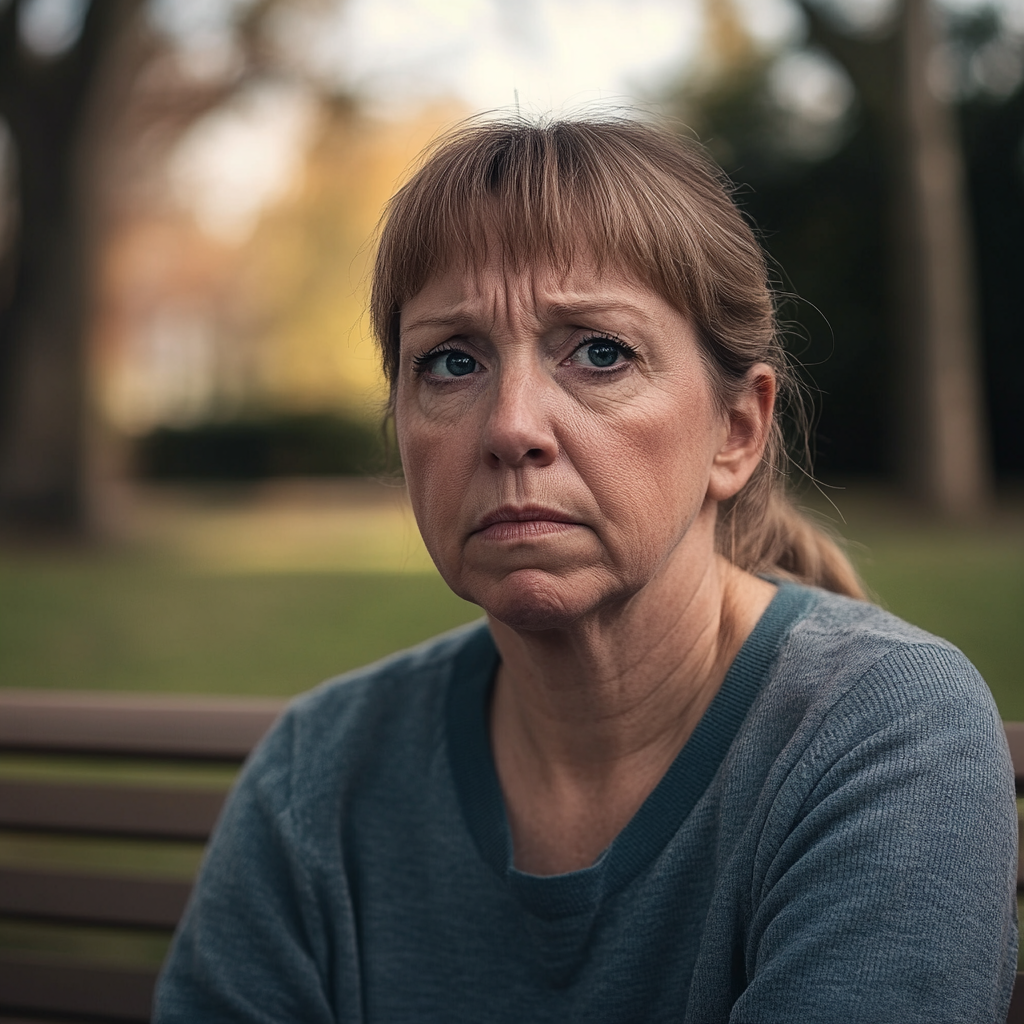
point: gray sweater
(835, 842)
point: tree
(944, 453)
(48, 101)
(869, 211)
(61, 101)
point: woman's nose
(519, 431)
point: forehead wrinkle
(567, 312)
(456, 320)
(510, 296)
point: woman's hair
(635, 198)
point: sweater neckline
(666, 807)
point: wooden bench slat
(1020, 855)
(1015, 741)
(215, 728)
(92, 899)
(4, 1019)
(34, 986)
(142, 811)
(1016, 1013)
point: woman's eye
(447, 364)
(600, 353)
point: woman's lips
(511, 523)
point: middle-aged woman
(682, 772)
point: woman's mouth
(525, 522)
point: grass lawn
(133, 625)
(269, 594)
(225, 595)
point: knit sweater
(835, 842)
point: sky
(540, 56)
(547, 55)
(544, 56)
(537, 57)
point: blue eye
(601, 353)
(446, 364)
(458, 364)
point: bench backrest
(119, 730)
(139, 728)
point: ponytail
(786, 544)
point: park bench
(121, 730)
(119, 733)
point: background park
(196, 494)
(188, 391)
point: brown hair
(643, 200)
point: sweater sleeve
(251, 946)
(885, 880)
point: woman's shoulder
(391, 709)
(396, 687)
(871, 796)
(840, 643)
(849, 670)
(863, 714)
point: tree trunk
(46, 103)
(945, 452)
(942, 436)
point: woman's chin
(532, 599)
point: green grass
(113, 624)
(124, 771)
(243, 597)
(100, 856)
(113, 947)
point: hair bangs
(521, 195)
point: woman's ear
(749, 423)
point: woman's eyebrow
(551, 312)
(562, 312)
(453, 321)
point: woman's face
(560, 437)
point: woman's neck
(585, 722)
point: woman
(666, 780)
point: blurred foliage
(303, 276)
(814, 183)
(993, 132)
(201, 329)
(254, 449)
(110, 115)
